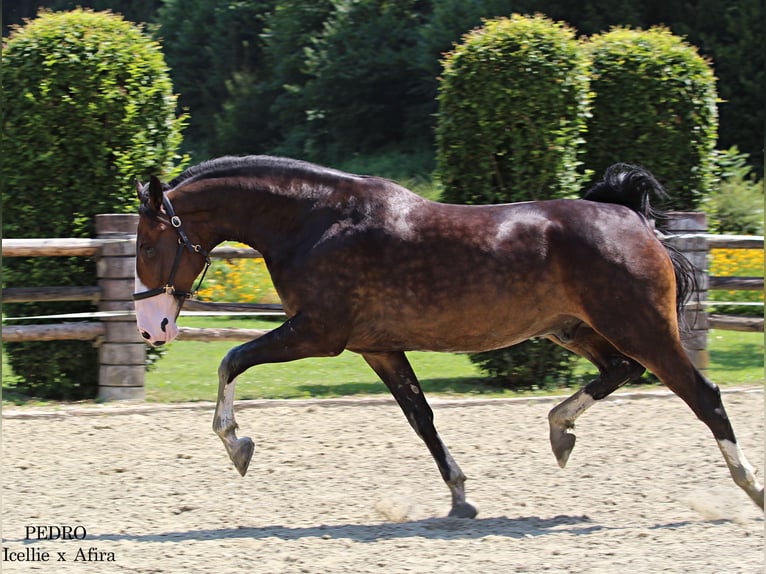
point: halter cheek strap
(183, 243)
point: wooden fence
(687, 233)
(122, 353)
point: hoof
(562, 443)
(463, 510)
(758, 498)
(241, 454)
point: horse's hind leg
(704, 398)
(654, 343)
(395, 371)
(615, 370)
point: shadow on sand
(431, 528)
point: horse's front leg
(240, 450)
(297, 338)
(395, 371)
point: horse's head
(166, 264)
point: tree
(213, 49)
(289, 32)
(237, 104)
(362, 71)
(731, 35)
(88, 108)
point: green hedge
(515, 114)
(88, 108)
(654, 105)
(512, 113)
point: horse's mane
(257, 165)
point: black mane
(265, 166)
(255, 165)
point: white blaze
(156, 316)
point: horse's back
(447, 277)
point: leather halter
(183, 243)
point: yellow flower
(239, 281)
(740, 263)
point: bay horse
(363, 264)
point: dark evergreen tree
(213, 49)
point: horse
(361, 263)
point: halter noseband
(183, 243)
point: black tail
(633, 186)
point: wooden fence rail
(81, 331)
(35, 294)
(735, 323)
(122, 352)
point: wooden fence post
(696, 250)
(122, 354)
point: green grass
(736, 358)
(188, 371)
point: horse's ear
(155, 193)
(139, 189)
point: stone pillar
(122, 354)
(685, 226)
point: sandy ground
(342, 486)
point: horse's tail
(633, 186)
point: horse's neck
(251, 214)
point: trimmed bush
(532, 365)
(88, 108)
(654, 105)
(512, 113)
(513, 102)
